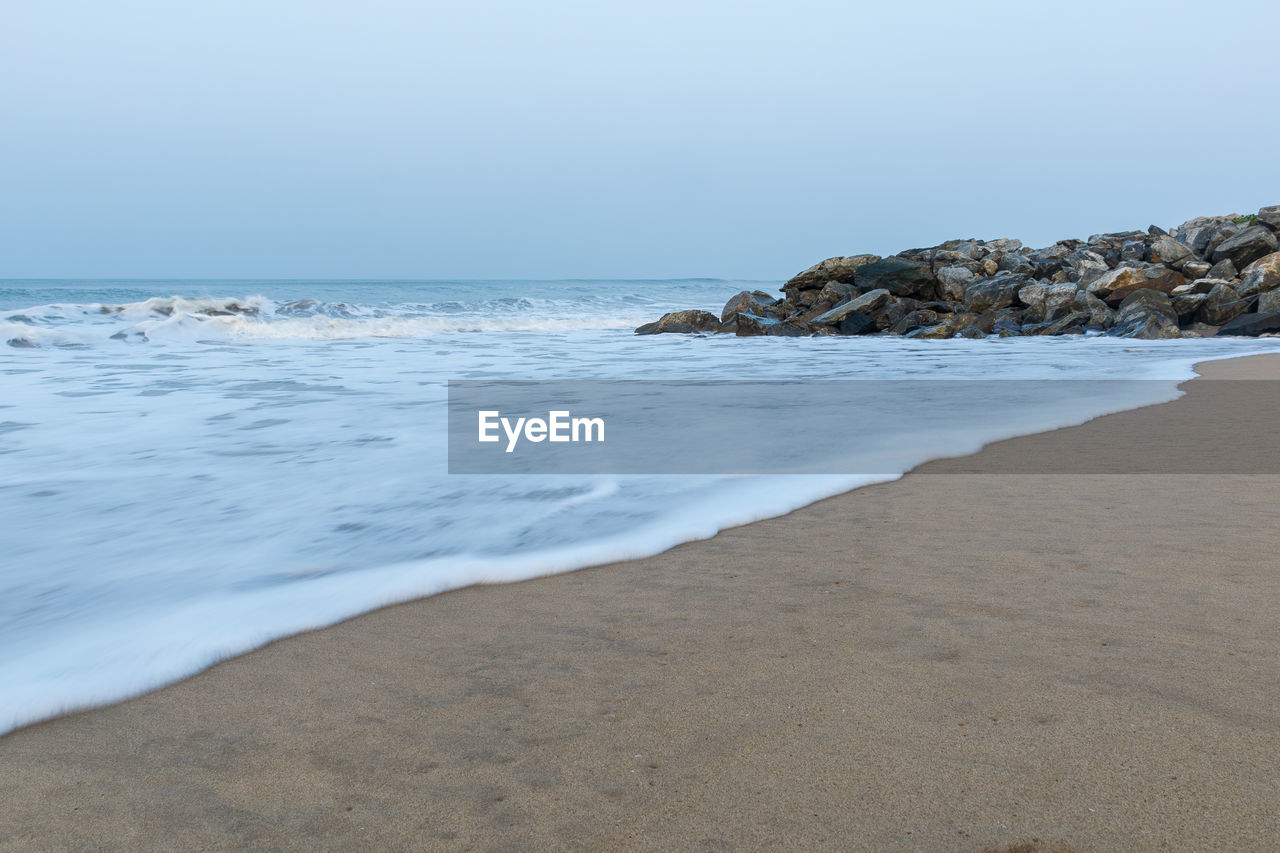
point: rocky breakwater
(1213, 275)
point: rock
(1085, 266)
(1114, 286)
(1261, 275)
(834, 292)
(1269, 302)
(893, 312)
(1222, 269)
(1007, 328)
(948, 328)
(914, 320)
(1246, 247)
(1146, 314)
(1099, 314)
(1075, 320)
(1015, 262)
(832, 269)
(751, 326)
(1156, 231)
(682, 322)
(1133, 250)
(749, 302)
(1033, 295)
(899, 276)
(998, 291)
(868, 303)
(1200, 285)
(857, 323)
(1197, 269)
(1270, 217)
(1251, 325)
(952, 281)
(1199, 330)
(1196, 233)
(1221, 305)
(1169, 252)
(1187, 304)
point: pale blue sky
(561, 138)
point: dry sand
(955, 661)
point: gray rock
(1221, 305)
(868, 303)
(1251, 325)
(952, 281)
(1196, 233)
(832, 269)
(1146, 314)
(914, 320)
(1157, 231)
(948, 328)
(1270, 217)
(1133, 250)
(1222, 269)
(857, 323)
(1261, 275)
(1075, 320)
(1200, 285)
(1187, 304)
(749, 302)
(1100, 314)
(1171, 253)
(751, 326)
(1085, 266)
(1015, 262)
(1246, 247)
(1197, 269)
(1269, 302)
(997, 291)
(899, 276)
(682, 322)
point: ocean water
(189, 469)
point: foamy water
(190, 469)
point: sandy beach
(993, 651)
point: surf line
(559, 425)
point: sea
(191, 469)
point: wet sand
(969, 658)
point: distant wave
(259, 318)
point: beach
(989, 652)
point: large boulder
(900, 276)
(1112, 287)
(952, 281)
(1270, 217)
(682, 322)
(1100, 315)
(1246, 247)
(1221, 305)
(832, 269)
(1261, 275)
(1084, 266)
(997, 291)
(1269, 302)
(868, 303)
(754, 302)
(1187, 304)
(1146, 314)
(1196, 234)
(1171, 253)
(1251, 325)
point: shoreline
(205, 765)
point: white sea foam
(190, 492)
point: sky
(611, 138)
